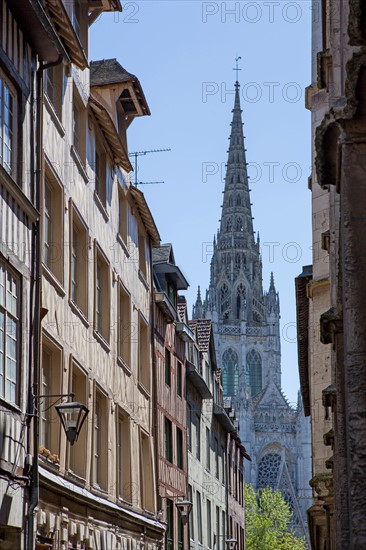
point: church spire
(197, 308)
(236, 214)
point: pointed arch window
(238, 178)
(230, 372)
(240, 299)
(237, 260)
(238, 200)
(224, 299)
(254, 369)
(230, 200)
(229, 225)
(239, 224)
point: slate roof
(161, 254)
(203, 331)
(108, 71)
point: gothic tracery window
(268, 471)
(240, 299)
(224, 299)
(238, 200)
(239, 224)
(230, 372)
(254, 369)
(229, 225)
(230, 200)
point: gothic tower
(246, 324)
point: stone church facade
(246, 324)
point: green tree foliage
(267, 519)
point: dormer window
(172, 294)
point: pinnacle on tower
(197, 308)
(271, 284)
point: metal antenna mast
(140, 154)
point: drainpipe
(35, 349)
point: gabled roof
(203, 331)
(182, 308)
(146, 216)
(163, 254)
(271, 395)
(107, 72)
(164, 263)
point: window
(79, 263)
(167, 367)
(123, 213)
(230, 372)
(209, 523)
(53, 87)
(217, 453)
(179, 434)
(254, 368)
(53, 227)
(223, 464)
(146, 474)
(179, 378)
(102, 296)
(101, 173)
(191, 522)
(9, 333)
(100, 449)
(124, 326)
(169, 536)
(189, 427)
(180, 533)
(217, 522)
(7, 127)
(208, 449)
(79, 127)
(223, 521)
(144, 354)
(50, 383)
(123, 461)
(79, 386)
(168, 440)
(142, 254)
(198, 437)
(199, 517)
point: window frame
(11, 166)
(16, 320)
(57, 208)
(82, 261)
(102, 295)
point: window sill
(8, 405)
(54, 116)
(144, 390)
(143, 280)
(102, 341)
(98, 489)
(123, 244)
(100, 205)
(75, 308)
(124, 365)
(76, 478)
(51, 278)
(79, 163)
(46, 463)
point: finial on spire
(237, 68)
(199, 293)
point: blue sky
(183, 52)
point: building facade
(215, 455)
(170, 337)
(334, 377)
(247, 339)
(76, 291)
(23, 47)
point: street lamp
(72, 415)
(184, 507)
(231, 543)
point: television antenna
(137, 154)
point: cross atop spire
(237, 69)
